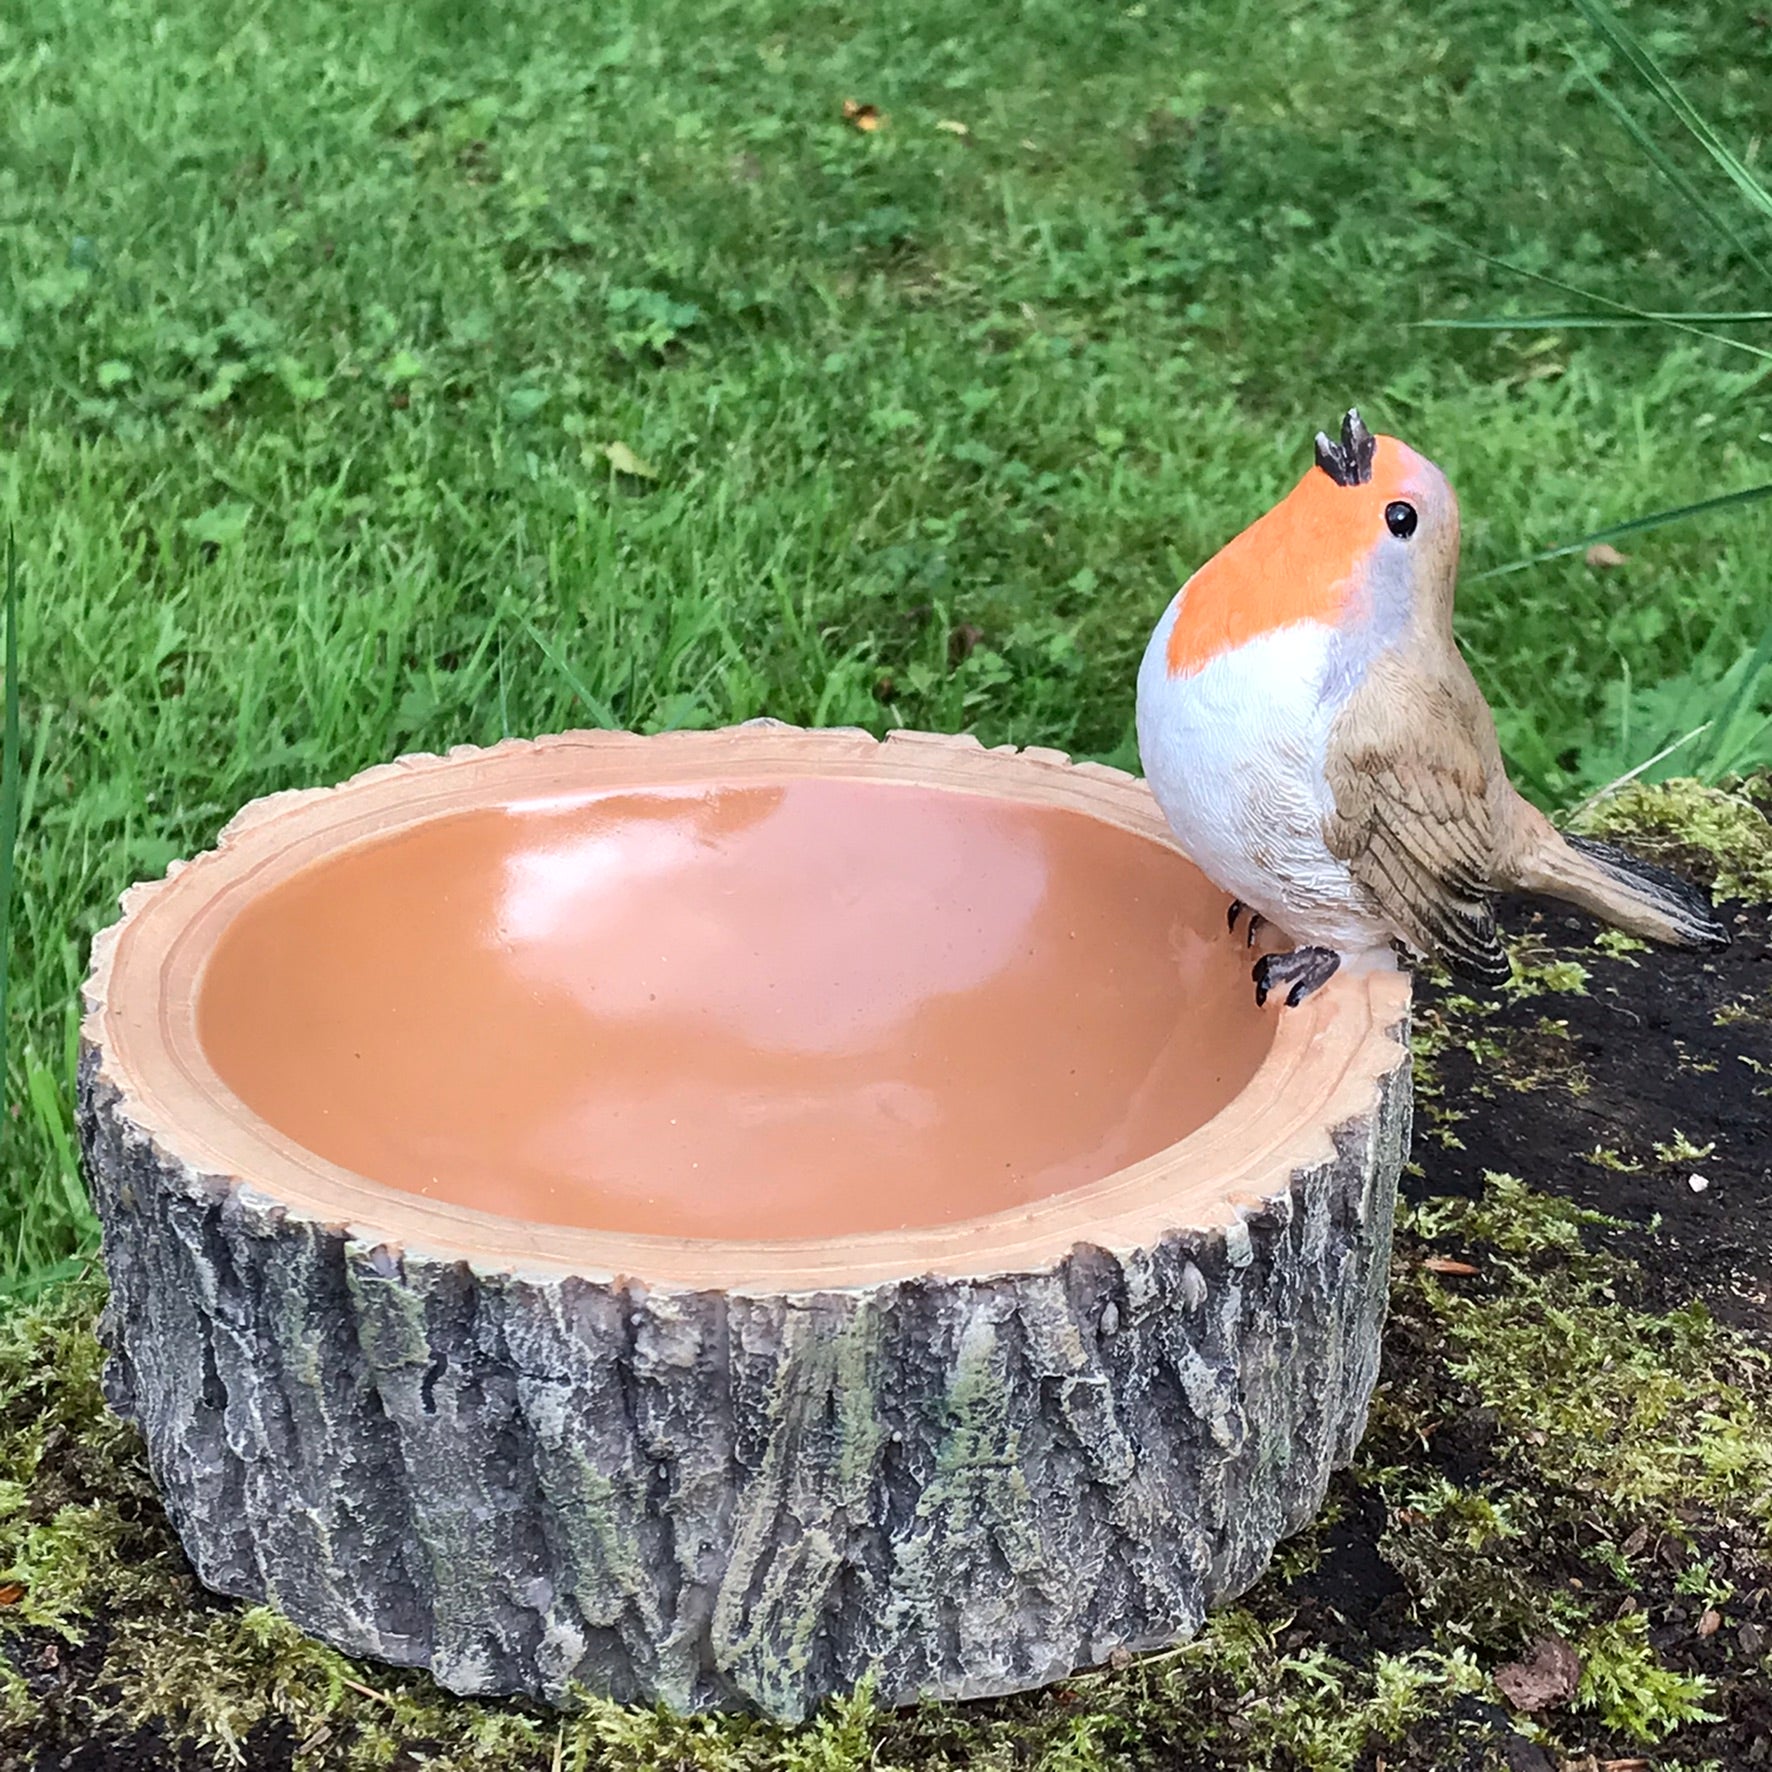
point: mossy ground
(1572, 1439)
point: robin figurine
(1322, 751)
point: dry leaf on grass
(11, 1593)
(1602, 554)
(963, 641)
(866, 118)
(1547, 1677)
(1444, 1264)
(625, 461)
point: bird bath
(707, 1217)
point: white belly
(1234, 754)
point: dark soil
(1663, 1047)
(1359, 1601)
(65, 1678)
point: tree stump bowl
(707, 1218)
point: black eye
(1399, 519)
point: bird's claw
(1304, 969)
(1257, 922)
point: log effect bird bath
(712, 1216)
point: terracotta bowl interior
(798, 1009)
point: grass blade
(49, 1111)
(1630, 775)
(26, 1285)
(10, 789)
(1546, 322)
(1605, 301)
(600, 711)
(1669, 171)
(1616, 33)
(1740, 700)
(1636, 526)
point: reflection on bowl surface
(825, 1007)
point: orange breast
(1298, 563)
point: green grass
(317, 323)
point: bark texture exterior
(552, 1485)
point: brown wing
(1408, 770)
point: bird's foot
(1257, 922)
(1304, 969)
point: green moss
(1536, 978)
(1521, 1061)
(72, 1485)
(1746, 1009)
(1681, 1149)
(1628, 1686)
(1617, 1429)
(1603, 1156)
(1681, 818)
(18, 1709)
(1646, 1411)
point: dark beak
(1349, 462)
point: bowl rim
(1324, 1066)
